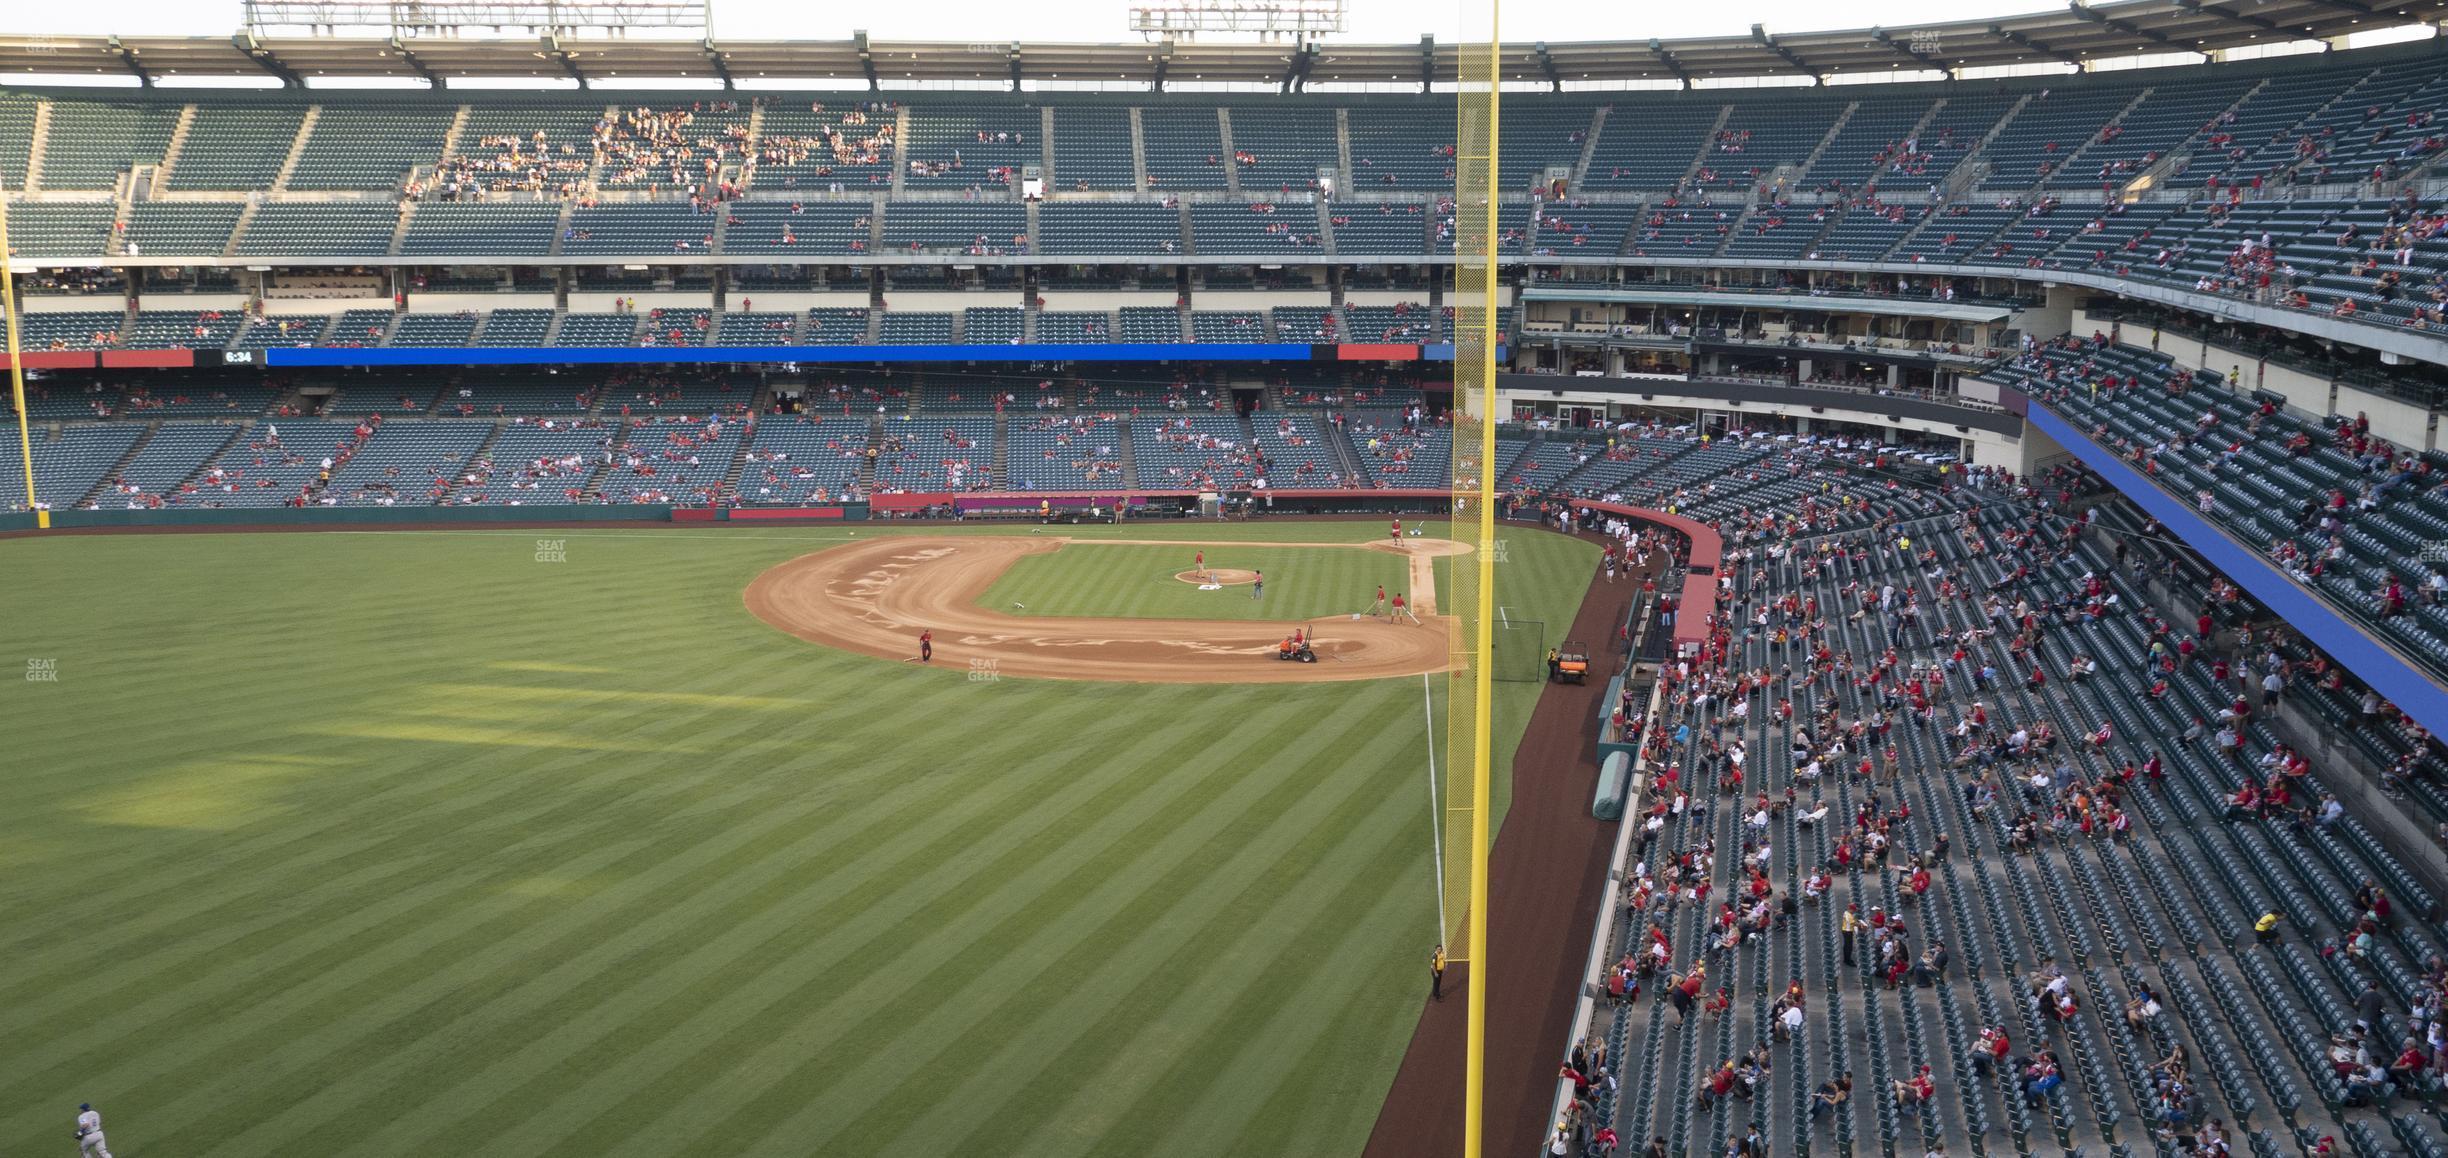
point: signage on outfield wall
(779, 355)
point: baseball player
(89, 1132)
(1378, 608)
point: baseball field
(547, 843)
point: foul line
(1436, 826)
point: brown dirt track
(1546, 876)
(874, 596)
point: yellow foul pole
(1474, 1063)
(8, 303)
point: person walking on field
(1258, 585)
(1378, 608)
(1200, 565)
(1396, 533)
(926, 646)
(1436, 974)
(89, 1132)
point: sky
(1100, 21)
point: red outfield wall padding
(1377, 352)
(147, 359)
(53, 359)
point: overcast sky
(1372, 21)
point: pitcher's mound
(1222, 576)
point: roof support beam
(866, 59)
(1657, 48)
(254, 50)
(1547, 67)
(2345, 6)
(1789, 56)
(722, 64)
(2083, 11)
(2263, 23)
(417, 66)
(1427, 62)
(127, 56)
(569, 65)
(2021, 41)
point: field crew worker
(926, 646)
(1258, 584)
(1555, 666)
(1396, 533)
(1436, 974)
(1378, 608)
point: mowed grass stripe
(733, 927)
(363, 1093)
(612, 723)
(1125, 986)
(713, 1094)
(1116, 922)
(1079, 1092)
(347, 933)
(587, 806)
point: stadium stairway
(1001, 471)
(1123, 454)
(93, 494)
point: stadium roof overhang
(2078, 33)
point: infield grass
(1302, 583)
(414, 844)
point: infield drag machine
(1295, 649)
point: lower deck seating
(67, 464)
(936, 454)
(807, 459)
(1065, 452)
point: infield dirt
(874, 597)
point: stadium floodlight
(1296, 20)
(407, 19)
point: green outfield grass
(1302, 583)
(416, 844)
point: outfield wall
(202, 518)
